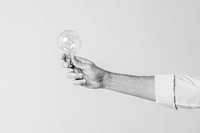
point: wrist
(106, 79)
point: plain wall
(138, 37)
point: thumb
(77, 63)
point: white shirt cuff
(164, 90)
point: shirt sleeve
(164, 90)
(177, 91)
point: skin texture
(86, 73)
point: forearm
(139, 86)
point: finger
(80, 82)
(64, 57)
(75, 75)
(70, 64)
(69, 70)
(78, 63)
(76, 70)
(65, 64)
(82, 60)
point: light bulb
(69, 42)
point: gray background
(140, 37)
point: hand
(85, 72)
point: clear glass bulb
(69, 42)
